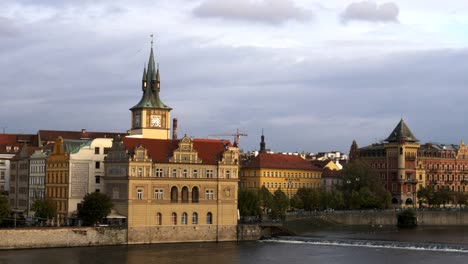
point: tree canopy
(5, 208)
(44, 209)
(249, 202)
(94, 207)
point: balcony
(411, 181)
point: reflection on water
(358, 245)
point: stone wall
(61, 237)
(249, 232)
(172, 234)
(429, 218)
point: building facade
(37, 175)
(169, 189)
(405, 166)
(278, 171)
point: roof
(74, 145)
(401, 131)
(150, 98)
(279, 161)
(11, 139)
(327, 173)
(51, 135)
(160, 150)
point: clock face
(155, 121)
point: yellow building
(171, 190)
(57, 178)
(279, 171)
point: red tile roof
(279, 161)
(10, 139)
(160, 150)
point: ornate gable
(185, 153)
(462, 151)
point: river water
(345, 245)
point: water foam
(371, 244)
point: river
(344, 245)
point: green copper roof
(150, 98)
(72, 146)
(401, 131)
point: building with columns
(170, 189)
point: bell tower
(151, 118)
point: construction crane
(236, 136)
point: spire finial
(152, 40)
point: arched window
(174, 194)
(195, 195)
(185, 194)
(174, 218)
(184, 218)
(209, 218)
(194, 219)
(158, 219)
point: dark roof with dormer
(150, 98)
(401, 131)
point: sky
(314, 75)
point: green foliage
(94, 207)
(407, 219)
(434, 198)
(266, 199)
(249, 203)
(362, 187)
(5, 208)
(310, 197)
(44, 209)
(280, 204)
(296, 202)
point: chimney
(83, 130)
(174, 128)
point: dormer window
(16, 149)
(8, 148)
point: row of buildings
(163, 187)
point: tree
(280, 204)
(249, 203)
(407, 219)
(360, 179)
(311, 198)
(266, 199)
(296, 202)
(5, 208)
(94, 207)
(44, 209)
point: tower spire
(262, 144)
(143, 80)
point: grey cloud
(7, 28)
(264, 11)
(371, 12)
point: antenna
(4, 128)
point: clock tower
(151, 118)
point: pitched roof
(51, 135)
(160, 150)
(401, 131)
(279, 161)
(327, 173)
(10, 139)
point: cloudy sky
(313, 74)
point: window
(98, 179)
(158, 194)
(174, 218)
(158, 219)
(195, 173)
(174, 194)
(96, 150)
(98, 190)
(115, 193)
(174, 173)
(184, 218)
(159, 172)
(184, 173)
(185, 194)
(97, 165)
(209, 195)
(209, 218)
(209, 173)
(194, 219)
(139, 194)
(140, 172)
(195, 195)
(228, 174)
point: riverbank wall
(61, 237)
(389, 218)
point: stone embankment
(61, 237)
